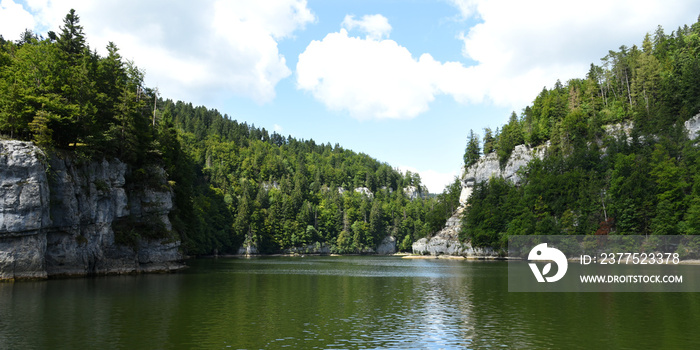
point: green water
(336, 303)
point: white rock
(488, 166)
(693, 126)
(413, 192)
(365, 191)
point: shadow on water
(335, 302)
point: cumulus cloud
(518, 48)
(521, 46)
(376, 26)
(368, 78)
(14, 20)
(193, 51)
(379, 79)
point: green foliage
(62, 95)
(128, 231)
(643, 182)
(40, 129)
(490, 141)
(511, 136)
(471, 153)
(485, 221)
(406, 245)
(72, 39)
(281, 192)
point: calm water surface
(336, 303)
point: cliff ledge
(59, 217)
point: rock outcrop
(365, 192)
(413, 192)
(488, 167)
(446, 242)
(692, 126)
(387, 246)
(60, 218)
(316, 248)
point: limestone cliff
(58, 217)
(488, 167)
(447, 240)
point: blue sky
(403, 81)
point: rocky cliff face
(488, 167)
(447, 240)
(692, 125)
(59, 218)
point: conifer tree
(471, 153)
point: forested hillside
(619, 160)
(279, 192)
(234, 183)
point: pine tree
(71, 39)
(471, 153)
(489, 141)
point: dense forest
(234, 184)
(618, 158)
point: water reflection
(334, 303)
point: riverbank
(400, 255)
(454, 257)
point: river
(335, 303)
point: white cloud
(376, 26)
(14, 20)
(197, 51)
(277, 128)
(521, 46)
(433, 180)
(380, 79)
(518, 48)
(368, 78)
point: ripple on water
(335, 303)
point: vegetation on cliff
(639, 179)
(233, 183)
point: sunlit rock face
(488, 166)
(57, 217)
(692, 125)
(413, 192)
(447, 240)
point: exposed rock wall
(387, 246)
(692, 126)
(57, 217)
(447, 240)
(413, 192)
(488, 167)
